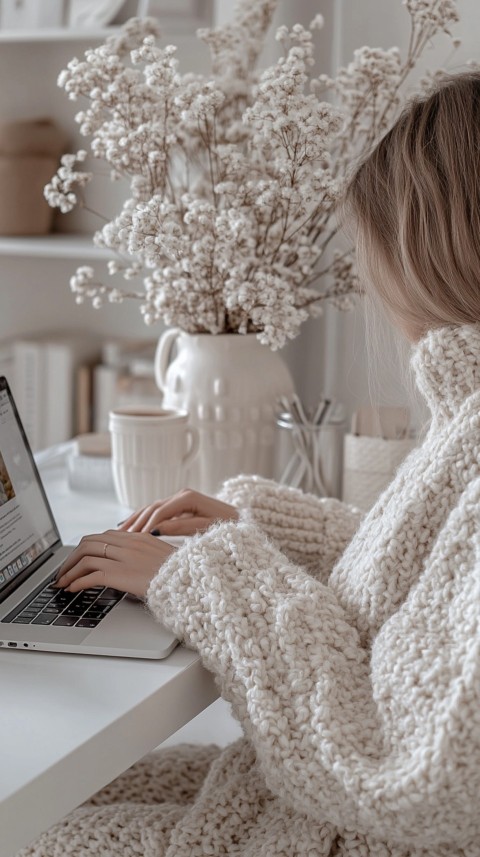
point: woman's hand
(184, 514)
(125, 561)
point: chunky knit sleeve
(312, 532)
(381, 739)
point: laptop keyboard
(52, 606)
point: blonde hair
(415, 202)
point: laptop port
(12, 645)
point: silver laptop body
(31, 552)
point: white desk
(69, 724)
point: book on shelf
(44, 383)
(65, 384)
(27, 384)
(84, 397)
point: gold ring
(105, 550)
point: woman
(348, 649)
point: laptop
(34, 615)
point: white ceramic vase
(230, 385)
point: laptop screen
(27, 527)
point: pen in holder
(309, 448)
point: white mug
(150, 449)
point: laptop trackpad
(130, 625)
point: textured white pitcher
(229, 384)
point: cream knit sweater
(349, 651)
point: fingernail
(155, 533)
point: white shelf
(54, 246)
(173, 29)
(57, 34)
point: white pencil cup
(151, 448)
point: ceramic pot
(230, 385)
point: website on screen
(26, 527)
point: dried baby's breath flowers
(234, 177)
